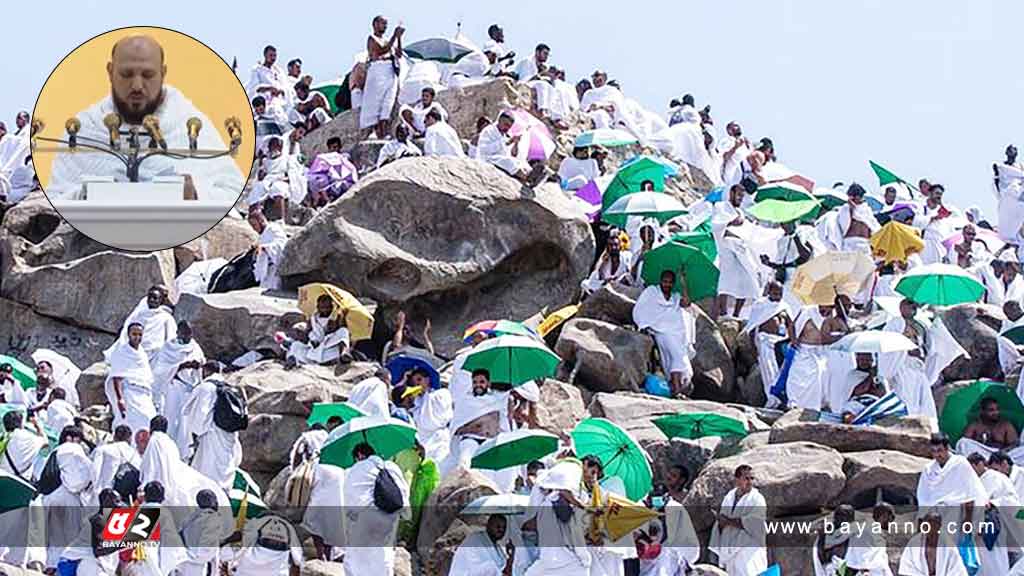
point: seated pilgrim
(868, 390)
(325, 340)
(613, 266)
(990, 433)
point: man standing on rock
(129, 385)
(176, 371)
(907, 371)
(381, 87)
(153, 314)
(733, 232)
(738, 536)
(215, 453)
(269, 249)
(666, 316)
(949, 482)
(681, 548)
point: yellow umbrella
(820, 280)
(556, 318)
(358, 319)
(618, 516)
(895, 242)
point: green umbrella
(329, 89)
(886, 177)
(699, 425)
(780, 211)
(14, 492)
(243, 481)
(699, 239)
(962, 407)
(513, 449)
(701, 274)
(647, 204)
(632, 175)
(23, 373)
(513, 359)
(1015, 334)
(782, 191)
(324, 411)
(254, 505)
(618, 452)
(940, 285)
(387, 436)
(830, 200)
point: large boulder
(464, 106)
(907, 434)
(91, 384)
(794, 478)
(612, 303)
(22, 331)
(750, 388)
(894, 473)
(229, 238)
(450, 239)
(273, 389)
(561, 406)
(605, 357)
(458, 488)
(33, 234)
(230, 324)
(97, 291)
(268, 441)
(714, 376)
(636, 412)
(976, 328)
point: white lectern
(141, 216)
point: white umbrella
(65, 372)
(656, 204)
(497, 504)
(874, 342)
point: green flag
(885, 177)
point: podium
(142, 216)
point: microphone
(72, 125)
(152, 126)
(234, 128)
(37, 127)
(113, 123)
(193, 125)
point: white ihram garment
(218, 452)
(742, 552)
(673, 327)
(132, 366)
(379, 92)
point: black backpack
(49, 478)
(237, 274)
(230, 413)
(127, 481)
(387, 497)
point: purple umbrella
(331, 172)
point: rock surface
(604, 357)
(907, 434)
(33, 234)
(894, 473)
(794, 478)
(975, 327)
(450, 239)
(22, 331)
(91, 382)
(561, 406)
(229, 238)
(230, 324)
(714, 376)
(612, 303)
(441, 511)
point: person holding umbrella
(665, 315)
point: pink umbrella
(988, 238)
(540, 144)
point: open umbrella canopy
(403, 362)
(823, 277)
(699, 425)
(324, 411)
(829, 198)
(496, 328)
(23, 373)
(940, 285)
(387, 436)
(245, 482)
(446, 50)
(962, 407)
(358, 318)
(622, 516)
(894, 242)
(701, 273)
(619, 453)
(513, 449)
(1015, 333)
(781, 211)
(650, 204)
(557, 318)
(14, 492)
(874, 342)
(700, 238)
(253, 504)
(782, 191)
(505, 504)
(632, 174)
(513, 359)
(607, 137)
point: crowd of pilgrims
(174, 437)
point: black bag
(230, 412)
(563, 509)
(387, 497)
(237, 274)
(127, 480)
(49, 479)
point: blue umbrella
(671, 168)
(399, 364)
(716, 195)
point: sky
(928, 88)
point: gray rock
(229, 238)
(318, 567)
(714, 376)
(22, 331)
(230, 324)
(707, 570)
(91, 383)
(273, 390)
(907, 434)
(894, 473)
(636, 412)
(605, 357)
(976, 328)
(268, 440)
(612, 303)
(450, 239)
(750, 388)
(794, 478)
(442, 509)
(561, 406)
(33, 234)
(692, 454)
(69, 290)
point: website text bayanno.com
(859, 529)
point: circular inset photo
(142, 138)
